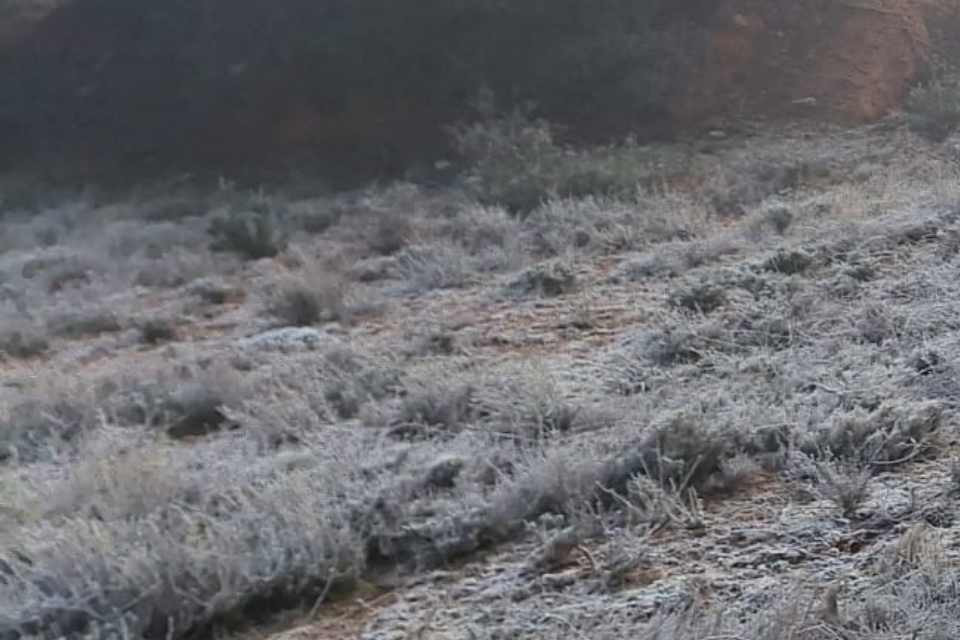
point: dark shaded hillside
(363, 88)
(364, 82)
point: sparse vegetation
(196, 408)
(437, 266)
(699, 297)
(84, 323)
(847, 486)
(253, 235)
(667, 393)
(516, 162)
(158, 330)
(933, 109)
(306, 299)
(548, 279)
(23, 343)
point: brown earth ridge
(846, 60)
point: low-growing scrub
(158, 330)
(44, 428)
(84, 324)
(788, 262)
(444, 407)
(516, 162)
(528, 401)
(891, 434)
(603, 448)
(252, 235)
(307, 299)
(352, 382)
(442, 265)
(701, 298)
(23, 342)
(548, 279)
(846, 485)
(197, 407)
(933, 109)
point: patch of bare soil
(855, 60)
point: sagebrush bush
(252, 235)
(846, 485)
(933, 109)
(41, 428)
(517, 162)
(157, 330)
(22, 342)
(892, 434)
(549, 279)
(442, 265)
(308, 299)
(84, 323)
(700, 298)
(196, 407)
(513, 160)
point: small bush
(82, 324)
(353, 384)
(316, 293)
(933, 110)
(47, 237)
(765, 330)
(779, 218)
(548, 279)
(699, 298)
(215, 291)
(630, 368)
(303, 301)
(441, 406)
(682, 453)
(892, 434)
(67, 275)
(390, 234)
(517, 163)
(529, 402)
(40, 428)
(314, 218)
(511, 159)
(442, 265)
(252, 235)
(197, 407)
(158, 330)
(658, 264)
(788, 262)
(846, 485)
(23, 343)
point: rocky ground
(721, 408)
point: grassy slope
(549, 389)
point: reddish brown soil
(853, 60)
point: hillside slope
(224, 89)
(424, 417)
